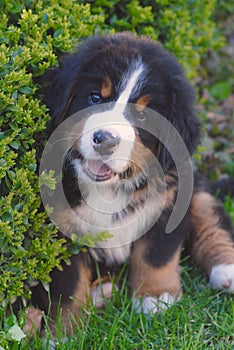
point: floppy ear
(182, 116)
(60, 90)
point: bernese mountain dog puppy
(127, 116)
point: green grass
(202, 320)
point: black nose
(104, 142)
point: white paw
(101, 292)
(222, 277)
(150, 305)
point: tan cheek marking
(171, 192)
(139, 196)
(106, 88)
(140, 155)
(142, 102)
(142, 195)
(170, 197)
(147, 280)
(69, 101)
(213, 245)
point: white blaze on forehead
(130, 82)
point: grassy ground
(202, 320)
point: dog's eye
(94, 98)
(142, 115)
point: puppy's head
(122, 78)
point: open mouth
(99, 171)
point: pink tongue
(97, 167)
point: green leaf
(103, 236)
(74, 247)
(46, 286)
(10, 321)
(2, 162)
(32, 167)
(90, 240)
(48, 179)
(27, 90)
(58, 32)
(45, 17)
(16, 7)
(14, 145)
(6, 216)
(87, 240)
(25, 220)
(11, 174)
(15, 333)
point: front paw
(101, 292)
(150, 305)
(222, 277)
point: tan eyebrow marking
(106, 88)
(142, 102)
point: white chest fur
(125, 218)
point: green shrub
(184, 27)
(32, 33)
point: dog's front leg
(155, 287)
(69, 293)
